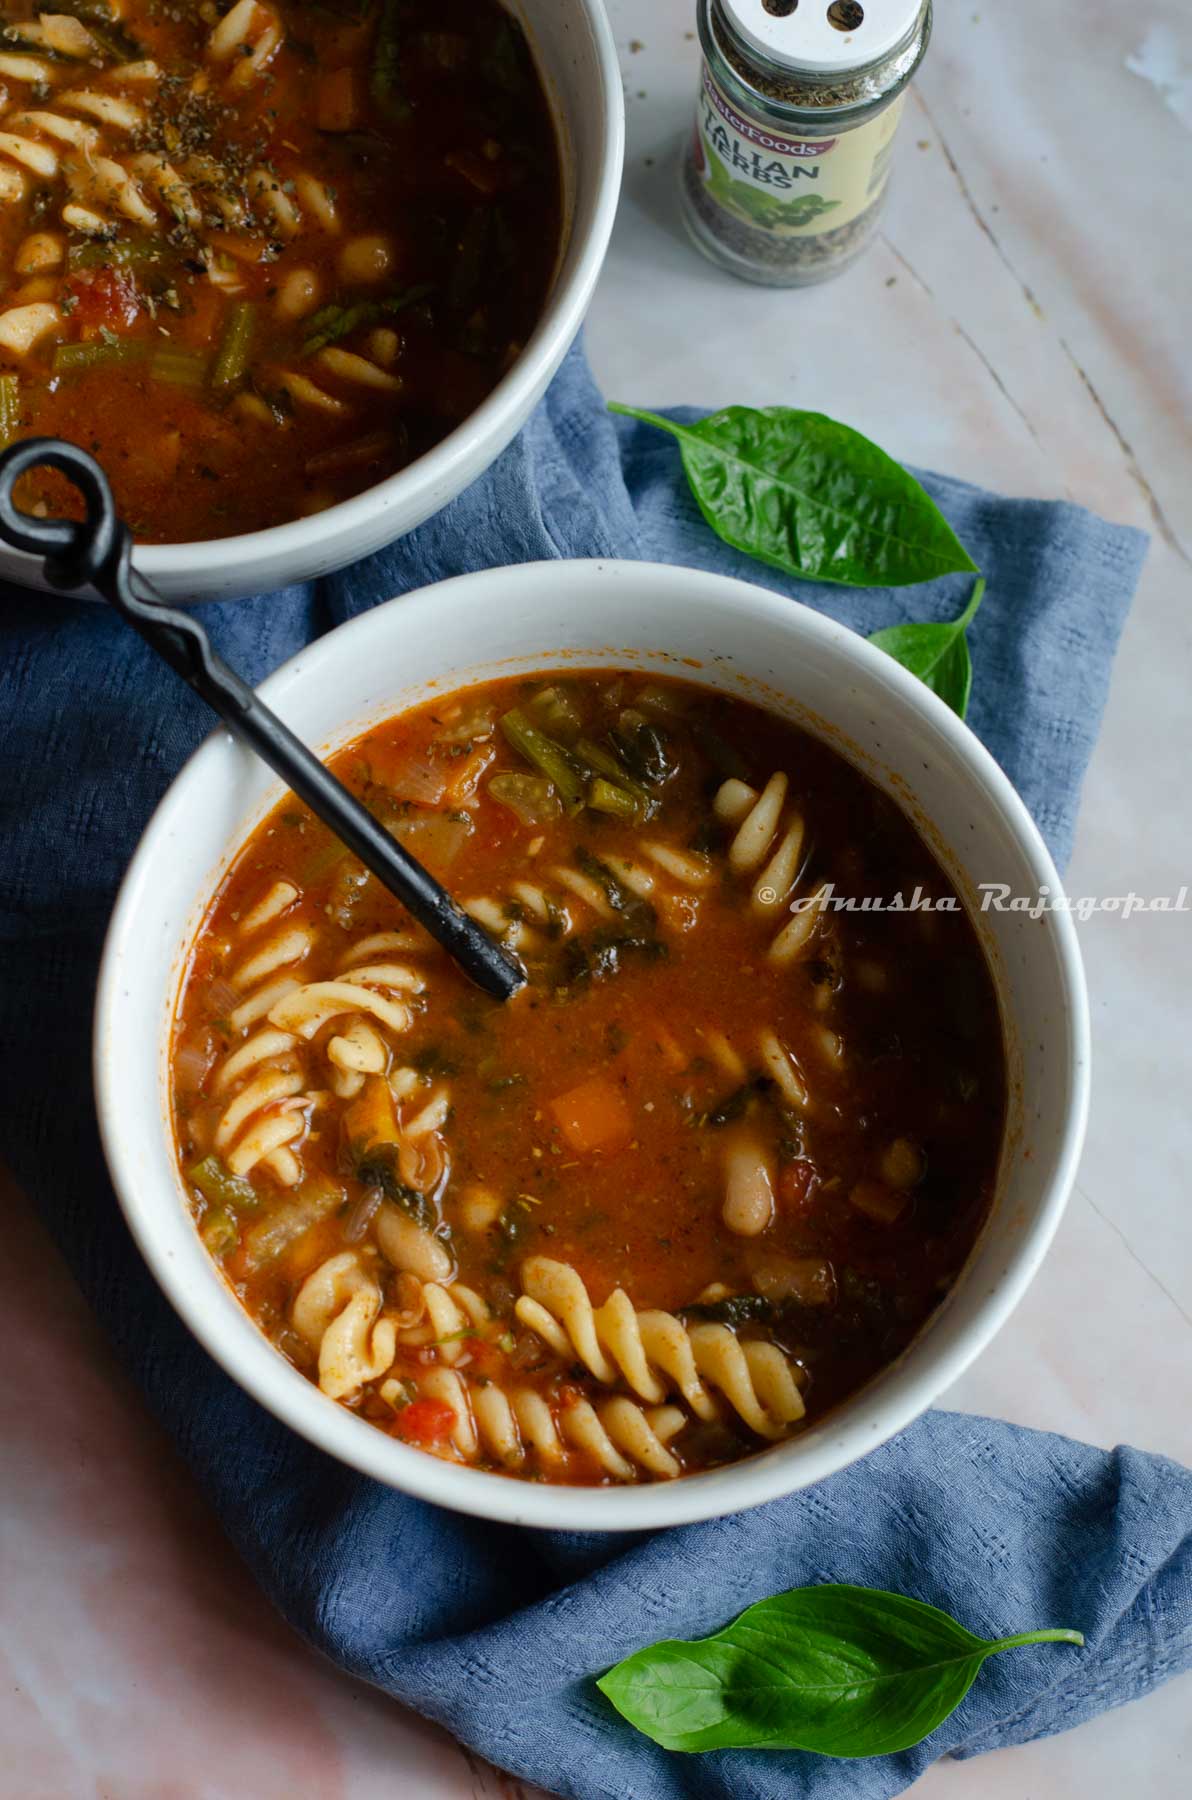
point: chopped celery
(220, 1188)
(231, 360)
(274, 1232)
(181, 368)
(545, 755)
(220, 1232)
(10, 408)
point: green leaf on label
(840, 1671)
(761, 206)
(812, 497)
(937, 654)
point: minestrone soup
(258, 256)
(711, 1170)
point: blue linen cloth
(496, 1632)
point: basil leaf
(837, 1670)
(937, 654)
(812, 497)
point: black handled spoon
(96, 553)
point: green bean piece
(231, 360)
(618, 802)
(604, 762)
(384, 83)
(10, 408)
(220, 1232)
(97, 353)
(221, 1188)
(181, 368)
(333, 322)
(545, 755)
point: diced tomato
(425, 1422)
(105, 300)
(797, 1181)
(594, 1116)
(486, 1359)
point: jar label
(792, 187)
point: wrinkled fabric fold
(493, 1631)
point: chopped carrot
(371, 1119)
(594, 1116)
(462, 784)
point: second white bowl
(577, 57)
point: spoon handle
(96, 552)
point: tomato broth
(258, 257)
(711, 1170)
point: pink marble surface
(1023, 323)
(137, 1659)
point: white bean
(297, 295)
(748, 1188)
(366, 258)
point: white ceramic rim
(842, 1437)
(214, 559)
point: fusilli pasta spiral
(261, 1082)
(655, 1354)
(563, 899)
(768, 847)
(518, 1426)
(336, 1310)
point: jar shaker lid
(823, 37)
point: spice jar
(799, 101)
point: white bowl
(577, 58)
(726, 635)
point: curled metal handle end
(96, 552)
(75, 553)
